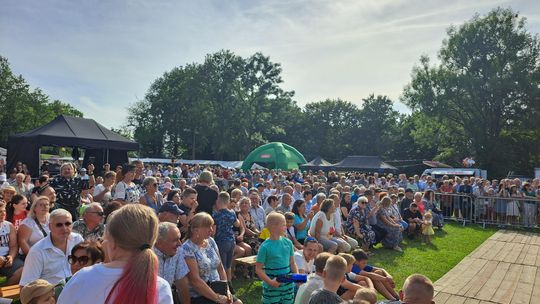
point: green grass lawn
(449, 247)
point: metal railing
(490, 210)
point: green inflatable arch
(275, 155)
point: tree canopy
(484, 93)
(23, 109)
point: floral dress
(361, 216)
(252, 240)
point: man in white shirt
(304, 259)
(314, 281)
(256, 211)
(297, 193)
(48, 258)
(172, 265)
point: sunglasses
(60, 225)
(100, 213)
(83, 260)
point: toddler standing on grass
(276, 258)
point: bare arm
(13, 247)
(292, 263)
(262, 275)
(302, 225)
(318, 227)
(345, 212)
(23, 236)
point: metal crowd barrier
(490, 210)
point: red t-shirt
(18, 218)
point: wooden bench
(11, 292)
(248, 261)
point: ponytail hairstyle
(10, 209)
(134, 228)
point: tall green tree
(485, 90)
(221, 108)
(23, 108)
(331, 128)
(378, 124)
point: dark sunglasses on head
(83, 260)
(60, 225)
(100, 213)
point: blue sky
(102, 56)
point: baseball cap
(409, 190)
(35, 289)
(170, 207)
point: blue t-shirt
(300, 234)
(224, 220)
(356, 269)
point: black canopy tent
(318, 163)
(364, 164)
(101, 144)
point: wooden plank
(531, 257)
(505, 250)
(250, 260)
(523, 254)
(481, 251)
(507, 288)
(483, 276)
(490, 255)
(462, 281)
(472, 301)
(492, 284)
(453, 299)
(535, 240)
(524, 288)
(536, 288)
(454, 275)
(441, 298)
(513, 255)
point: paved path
(504, 269)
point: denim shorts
(226, 251)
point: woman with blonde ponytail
(131, 276)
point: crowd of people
(164, 234)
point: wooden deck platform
(504, 269)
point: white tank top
(4, 238)
(327, 224)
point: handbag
(220, 287)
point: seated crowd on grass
(152, 234)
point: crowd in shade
(171, 234)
